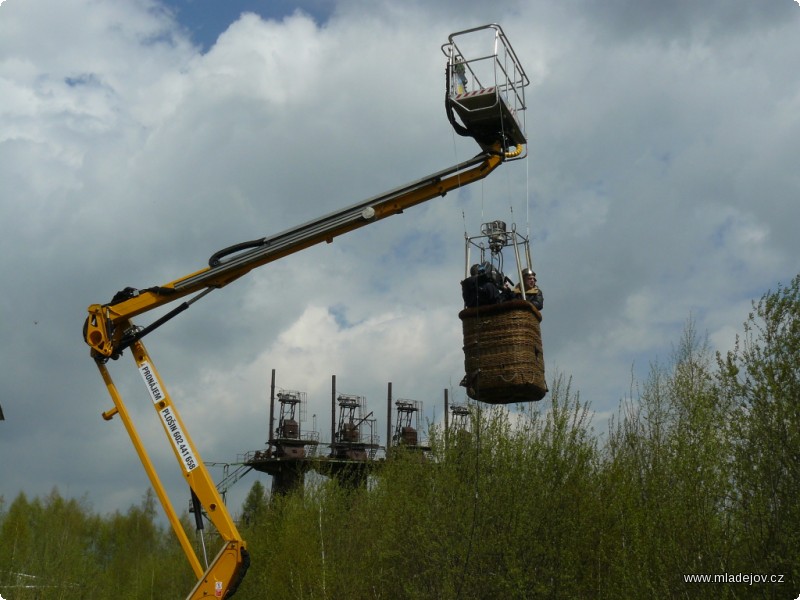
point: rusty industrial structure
(353, 452)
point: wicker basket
(503, 355)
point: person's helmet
(526, 272)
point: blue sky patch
(205, 20)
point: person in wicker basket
(532, 292)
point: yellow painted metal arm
(108, 331)
(230, 564)
(121, 410)
(108, 324)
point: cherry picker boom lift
(109, 328)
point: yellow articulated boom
(109, 329)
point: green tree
(666, 482)
(761, 377)
(255, 505)
(16, 540)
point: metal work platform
(486, 88)
(485, 112)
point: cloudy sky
(137, 137)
